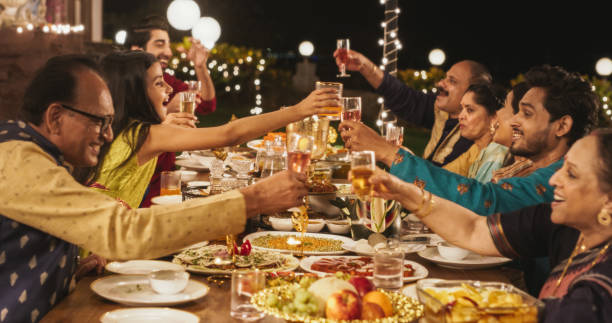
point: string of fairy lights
(391, 47)
(230, 73)
(60, 29)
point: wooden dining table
(83, 305)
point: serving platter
(420, 271)
(333, 243)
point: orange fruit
(371, 311)
(379, 299)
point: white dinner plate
(140, 267)
(167, 199)
(420, 271)
(472, 261)
(342, 239)
(135, 290)
(196, 245)
(191, 164)
(434, 239)
(406, 247)
(149, 315)
(254, 144)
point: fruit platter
(336, 298)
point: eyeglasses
(105, 121)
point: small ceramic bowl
(167, 199)
(338, 227)
(281, 224)
(451, 252)
(168, 281)
(188, 175)
(315, 225)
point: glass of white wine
(188, 101)
(362, 168)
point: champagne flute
(299, 150)
(351, 109)
(194, 86)
(188, 101)
(394, 134)
(343, 46)
(362, 168)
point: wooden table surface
(82, 305)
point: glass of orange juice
(334, 112)
(170, 183)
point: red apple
(361, 284)
(343, 305)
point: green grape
(272, 300)
(301, 307)
(313, 308)
(301, 295)
(305, 282)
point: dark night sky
(509, 37)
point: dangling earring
(604, 218)
(493, 128)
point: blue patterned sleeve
(508, 195)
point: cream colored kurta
(37, 192)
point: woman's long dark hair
(125, 74)
(488, 95)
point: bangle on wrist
(422, 204)
(428, 205)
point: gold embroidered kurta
(37, 192)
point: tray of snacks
(336, 298)
(451, 301)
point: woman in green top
(138, 90)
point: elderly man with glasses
(45, 214)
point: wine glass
(343, 46)
(333, 112)
(299, 151)
(194, 86)
(362, 168)
(188, 101)
(351, 109)
(394, 134)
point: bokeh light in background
(437, 57)
(207, 30)
(306, 48)
(603, 66)
(183, 14)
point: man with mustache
(437, 111)
(558, 109)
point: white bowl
(451, 252)
(167, 199)
(168, 281)
(281, 224)
(338, 227)
(188, 175)
(315, 225)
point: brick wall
(21, 55)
